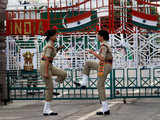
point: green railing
(143, 85)
(121, 83)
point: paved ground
(135, 109)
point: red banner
(27, 27)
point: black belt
(45, 60)
(110, 61)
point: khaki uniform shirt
(50, 52)
(106, 51)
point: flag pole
(48, 3)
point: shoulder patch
(49, 46)
(104, 45)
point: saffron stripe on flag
(78, 17)
(147, 3)
(145, 16)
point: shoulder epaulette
(104, 45)
(49, 46)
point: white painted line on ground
(10, 118)
(118, 102)
(94, 113)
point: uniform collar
(104, 43)
(51, 43)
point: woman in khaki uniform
(47, 70)
(104, 67)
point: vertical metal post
(111, 16)
(48, 3)
(3, 82)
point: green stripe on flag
(145, 26)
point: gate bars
(121, 83)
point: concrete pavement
(135, 109)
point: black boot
(83, 87)
(105, 113)
(56, 93)
(50, 114)
(77, 84)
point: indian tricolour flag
(143, 20)
(79, 21)
(72, 20)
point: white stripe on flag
(75, 24)
(147, 22)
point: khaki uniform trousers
(52, 71)
(90, 65)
